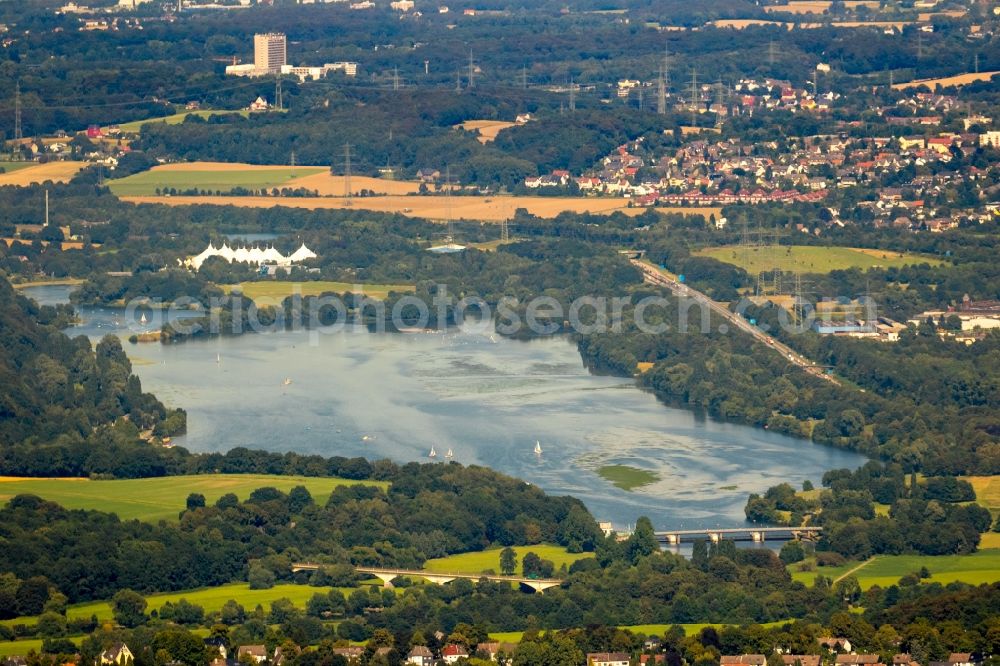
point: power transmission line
(572, 95)
(17, 114)
(347, 172)
(694, 97)
(472, 70)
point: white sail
(538, 447)
(432, 454)
(142, 319)
(449, 454)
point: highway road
(652, 275)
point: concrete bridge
(440, 578)
(759, 534)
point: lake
(487, 398)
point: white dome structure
(252, 255)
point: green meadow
(885, 570)
(210, 598)
(811, 259)
(177, 118)
(645, 629)
(480, 561)
(272, 292)
(10, 167)
(162, 498)
(22, 647)
(146, 183)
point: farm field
(486, 129)
(691, 629)
(208, 176)
(816, 6)
(272, 293)
(740, 24)
(945, 81)
(57, 172)
(22, 647)
(161, 497)
(884, 570)
(487, 209)
(178, 118)
(480, 561)
(809, 259)
(11, 167)
(329, 185)
(210, 598)
(988, 495)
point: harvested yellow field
(487, 129)
(231, 166)
(816, 6)
(57, 172)
(328, 185)
(925, 17)
(957, 80)
(486, 209)
(739, 24)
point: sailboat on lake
(449, 455)
(432, 454)
(538, 448)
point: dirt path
(852, 571)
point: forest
(932, 516)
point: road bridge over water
(758, 534)
(439, 577)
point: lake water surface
(487, 398)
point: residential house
(452, 653)
(258, 653)
(352, 654)
(801, 659)
(903, 659)
(494, 649)
(744, 660)
(652, 659)
(259, 104)
(961, 659)
(836, 644)
(857, 660)
(420, 655)
(15, 660)
(217, 643)
(118, 654)
(607, 659)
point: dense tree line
(929, 516)
(427, 511)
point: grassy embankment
(161, 498)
